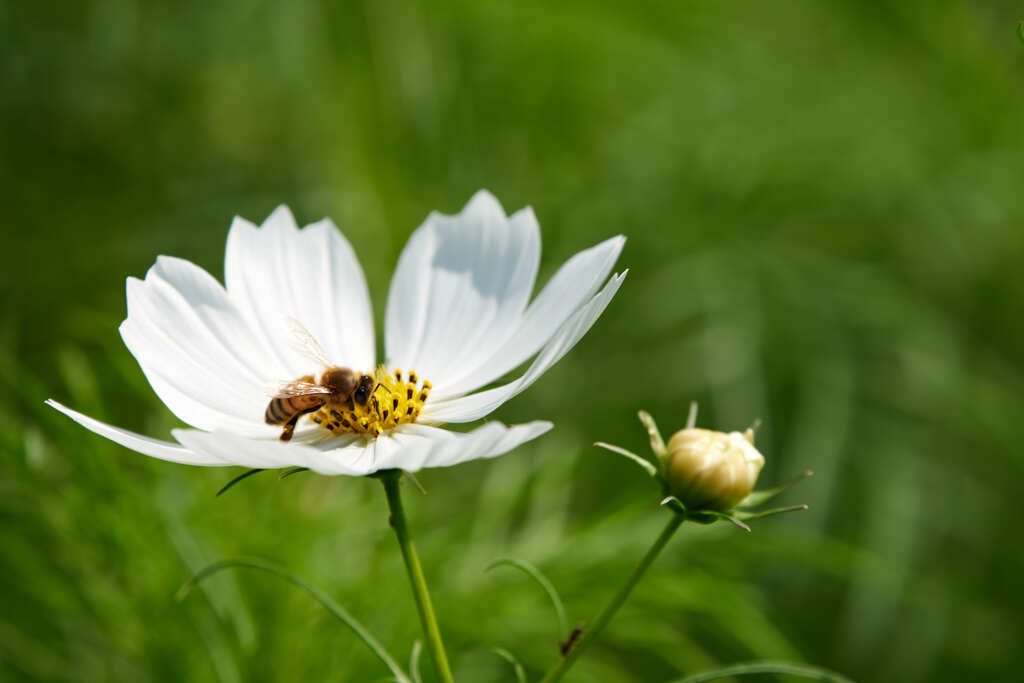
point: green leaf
(751, 668)
(674, 504)
(321, 597)
(715, 514)
(1020, 30)
(759, 497)
(549, 588)
(691, 417)
(415, 482)
(237, 479)
(290, 472)
(646, 465)
(657, 443)
(741, 514)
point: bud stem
(591, 632)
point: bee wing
(289, 389)
(303, 342)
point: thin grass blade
(511, 659)
(549, 588)
(414, 661)
(318, 595)
(751, 668)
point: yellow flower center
(397, 399)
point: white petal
(412, 447)
(272, 454)
(460, 289)
(475, 406)
(278, 272)
(572, 285)
(196, 348)
(154, 448)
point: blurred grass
(823, 202)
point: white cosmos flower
(458, 314)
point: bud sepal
(708, 476)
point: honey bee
(308, 394)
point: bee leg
(289, 428)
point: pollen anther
(393, 402)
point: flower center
(396, 400)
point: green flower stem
(590, 634)
(431, 632)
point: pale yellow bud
(709, 470)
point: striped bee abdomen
(283, 409)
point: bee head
(366, 386)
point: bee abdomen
(275, 414)
(281, 410)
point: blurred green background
(826, 229)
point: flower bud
(709, 470)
